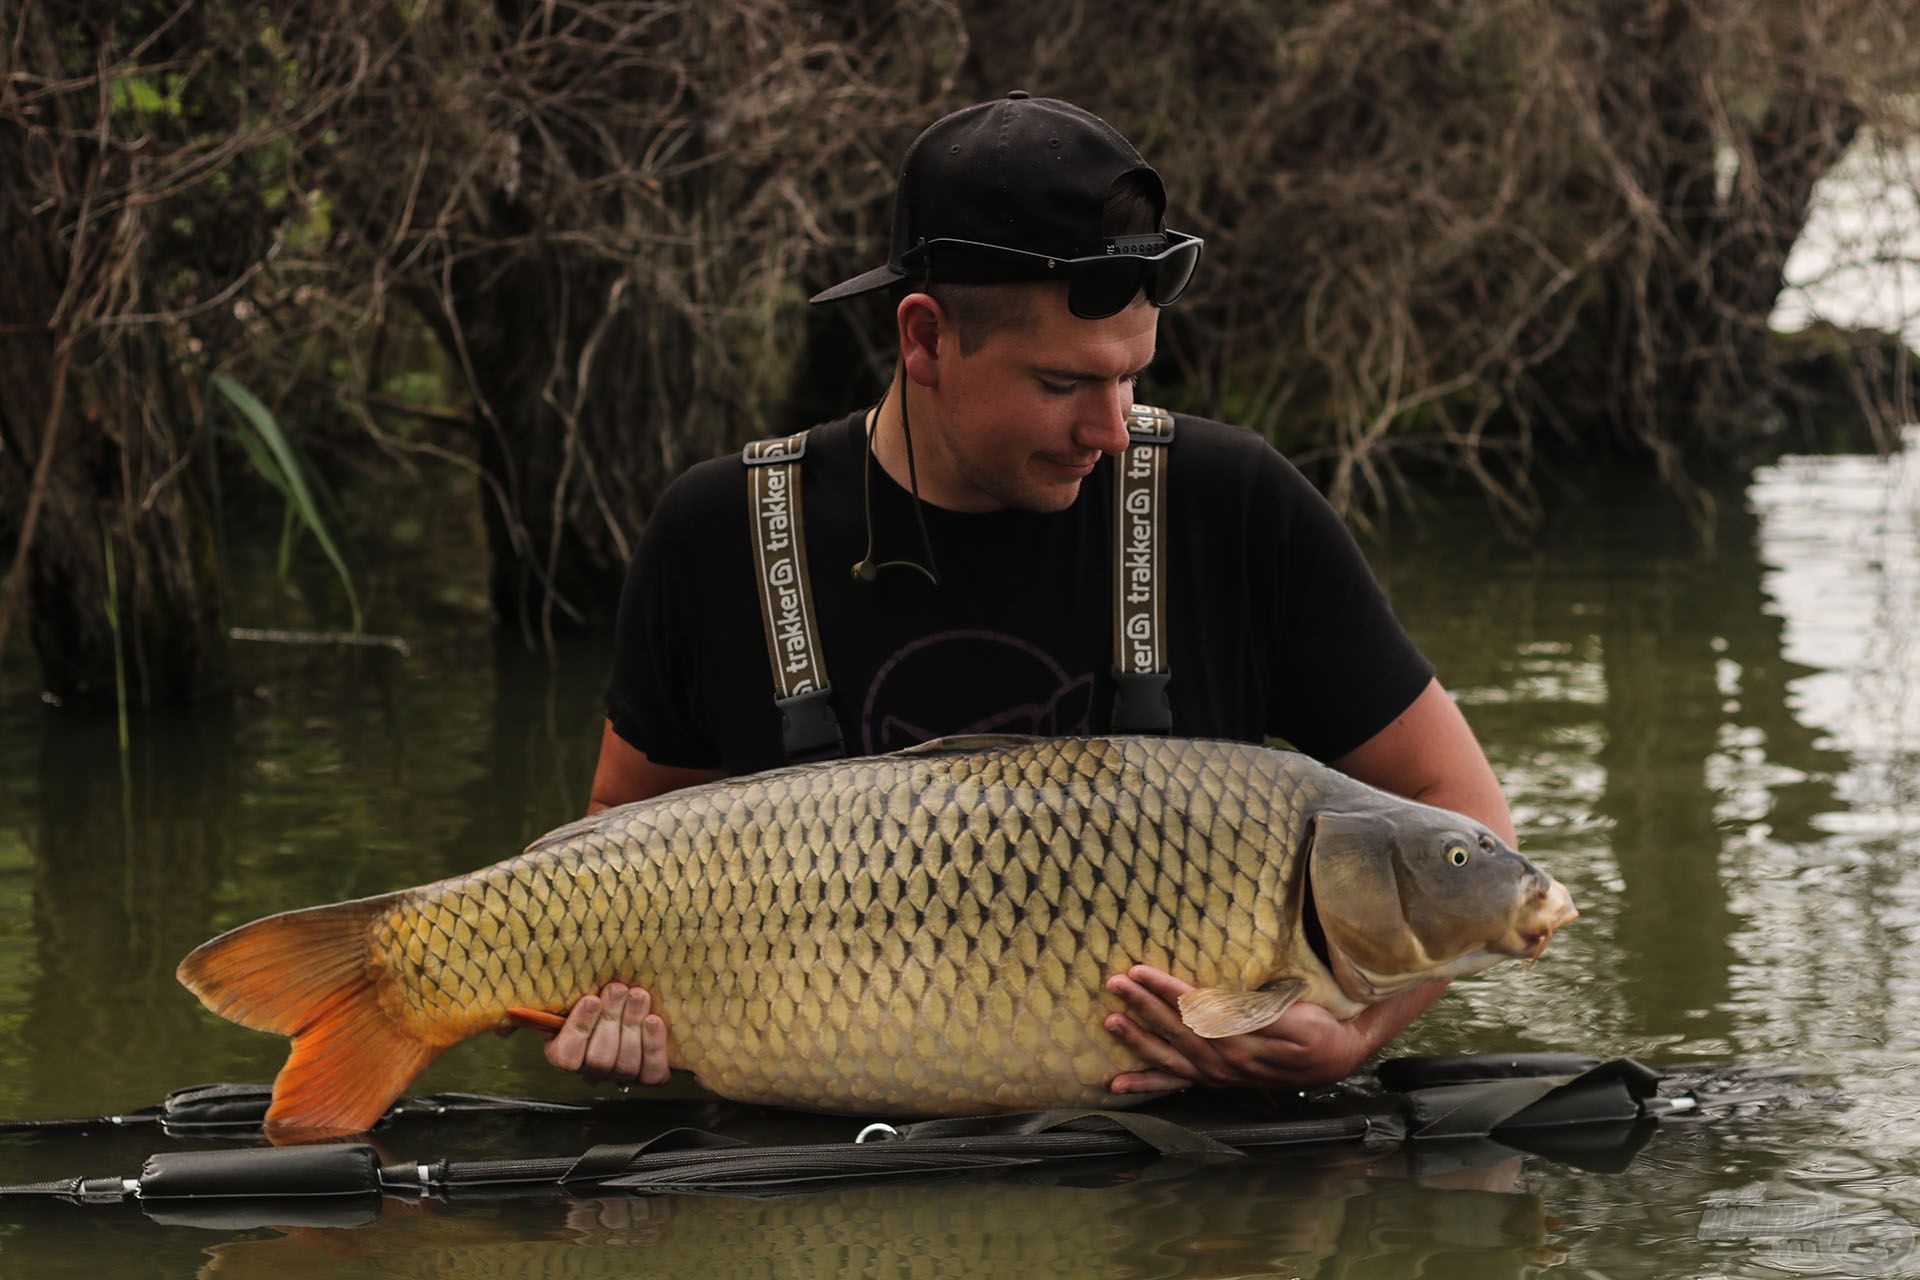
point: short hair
(979, 311)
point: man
(974, 506)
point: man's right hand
(613, 1036)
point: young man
(961, 543)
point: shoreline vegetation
(563, 249)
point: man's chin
(1047, 500)
(1040, 494)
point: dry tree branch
(36, 494)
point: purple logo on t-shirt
(923, 691)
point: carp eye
(1457, 854)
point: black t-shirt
(1275, 625)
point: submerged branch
(351, 639)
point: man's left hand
(1304, 1047)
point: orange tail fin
(308, 974)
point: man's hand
(1303, 1047)
(1300, 1048)
(613, 1036)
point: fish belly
(913, 933)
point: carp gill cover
(920, 933)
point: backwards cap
(1021, 172)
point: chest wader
(810, 731)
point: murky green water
(1717, 748)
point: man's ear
(922, 324)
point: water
(1714, 746)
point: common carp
(920, 933)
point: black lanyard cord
(867, 570)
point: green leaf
(284, 470)
(289, 536)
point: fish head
(1412, 894)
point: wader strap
(808, 729)
(1164, 1136)
(1140, 667)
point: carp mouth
(1547, 909)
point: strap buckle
(766, 453)
(809, 730)
(1140, 702)
(1149, 424)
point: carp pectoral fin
(539, 1019)
(306, 974)
(1212, 1013)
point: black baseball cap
(1029, 174)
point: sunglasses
(1099, 285)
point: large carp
(920, 933)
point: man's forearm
(1429, 754)
(1477, 797)
(1380, 1023)
(625, 774)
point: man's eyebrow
(1081, 375)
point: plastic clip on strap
(1452, 1103)
(808, 728)
(1140, 667)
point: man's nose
(1105, 425)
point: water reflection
(1842, 553)
(1330, 1217)
(1693, 668)
(1633, 684)
(1660, 725)
(126, 854)
(1843, 573)
(336, 773)
(541, 744)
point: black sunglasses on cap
(1098, 286)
